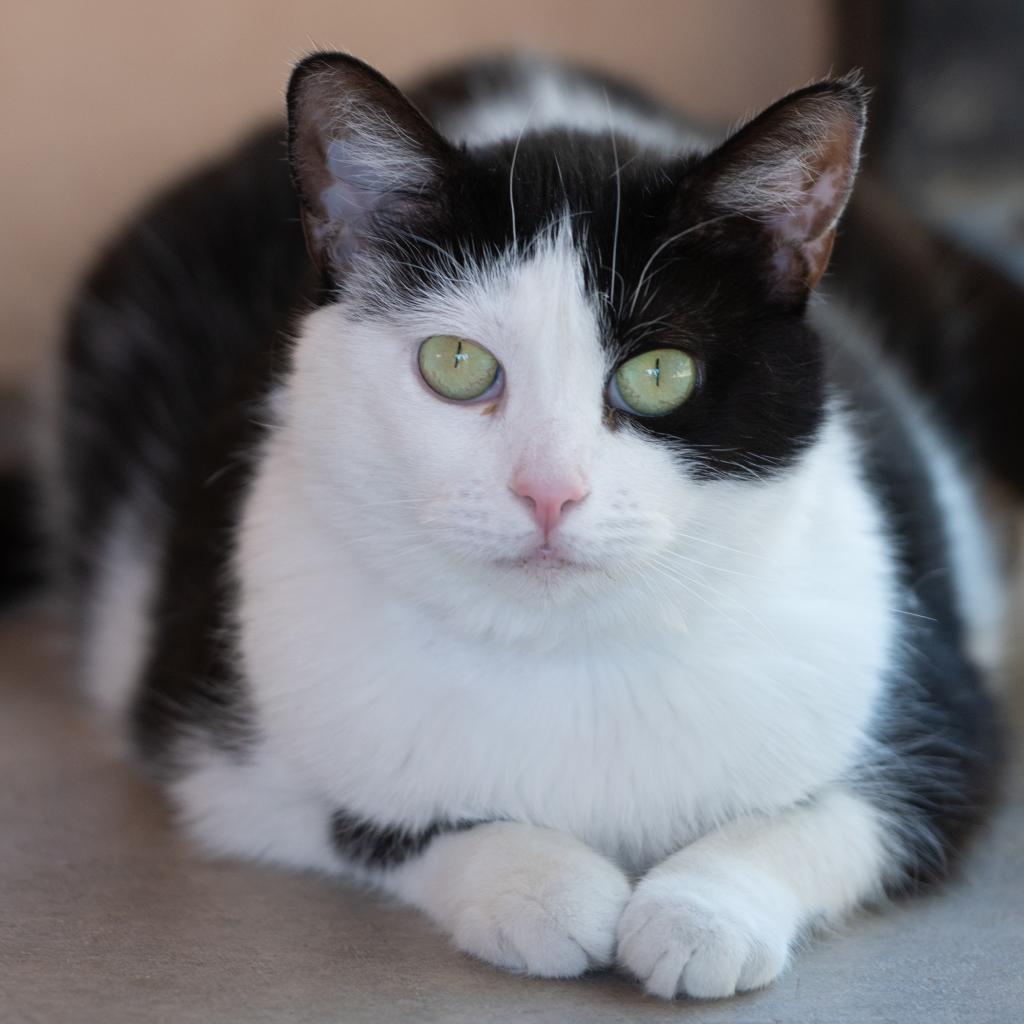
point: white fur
(549, 96)
(524, 898)
(980, 582)
(119, 611)
(722, 915)
(368, 684)
(257, 809)
(707, 667)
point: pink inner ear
(805, 231)
(805, 228)
(815, 211)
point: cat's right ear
(363, 158)
(790, 171)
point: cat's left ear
(363, 158)
(791, 170)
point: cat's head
(560, 368)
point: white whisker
(618, 197)
(661, 248)
(512, 171)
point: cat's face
(569, 372)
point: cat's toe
(554, 926)
(683, 936)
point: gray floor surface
(107, 916)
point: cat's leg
(722, 915)
(253, 808)
(521, 897)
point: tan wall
(102, 100)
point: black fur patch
(172, 346)
(938, 759)
(940, 756)
(381, 846)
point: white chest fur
(633, 738)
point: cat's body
(739, 675)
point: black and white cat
(537, 551)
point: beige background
(102, 101)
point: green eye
(654, 383)
(457, 368)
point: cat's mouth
(545, 559)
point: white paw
(531, 900)
(706, 935)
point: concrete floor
(107, 916)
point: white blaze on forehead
(534, 313)
(554, 418)
(554, 322)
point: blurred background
(103, 102)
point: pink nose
(549, 499)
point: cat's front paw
(706, 936)
(552, 913)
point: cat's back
(178, 317)
(500, 98)
(171, 344)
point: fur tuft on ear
(792, 170)
(362, 156)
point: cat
(483, 505)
